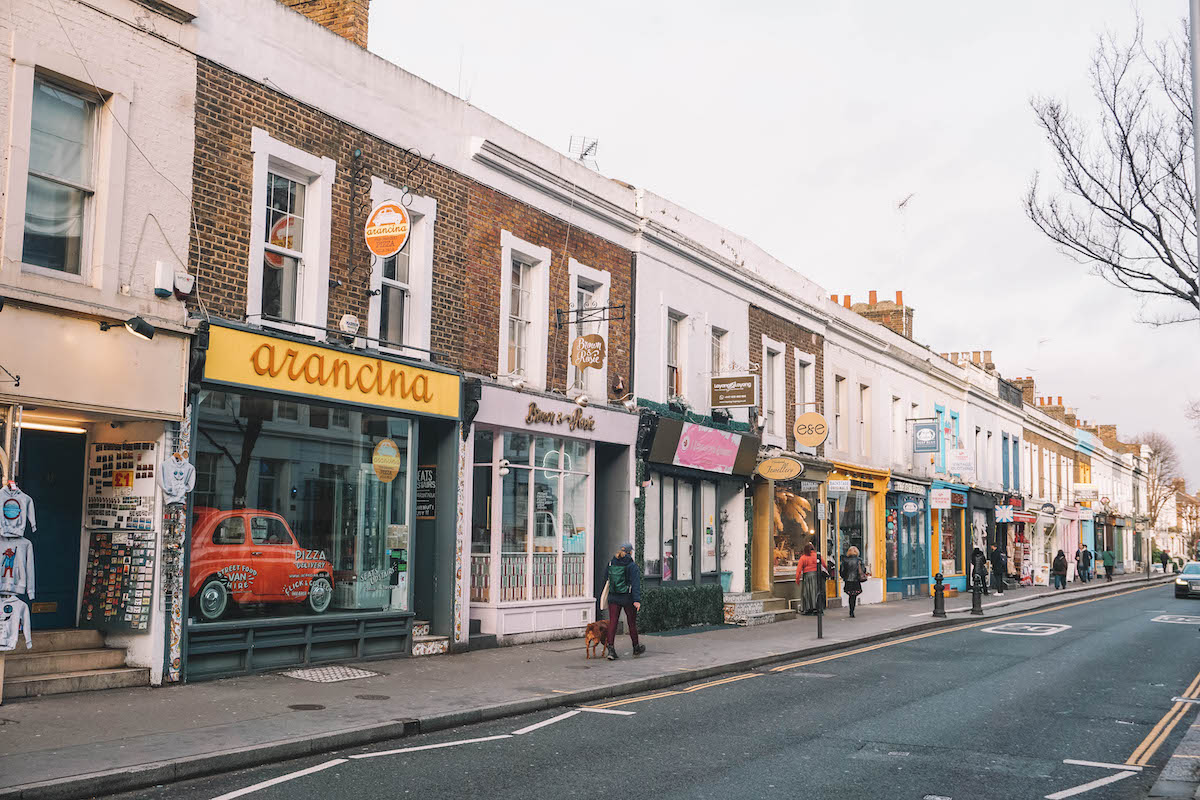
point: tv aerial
(584, 149)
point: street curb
(187, 768)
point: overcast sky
(803, 124)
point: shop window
(795, 524)
(682, 525)
(950, 533)
(652, 559)
(206, 479)
(328, 526)
(60, 188)
(907, 549)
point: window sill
(57, 274)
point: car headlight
(1180, 582)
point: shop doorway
(51, 472)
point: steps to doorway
(425, 644)
(756, 608)
(68, 661)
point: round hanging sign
(909, 508)
(386, 460)
(780, 469)
(810, 430)
(387, 229)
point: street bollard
(820, 619)
(939, 596)
(977, 596)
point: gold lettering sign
(588, 351)
(780, 469)
(254, 360)
(574, 420)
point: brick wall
(794, 337)
(346, 18)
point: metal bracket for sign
(583, 316)
(918, 419)
(15, 380)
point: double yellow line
(672, 693)
(1159, 733)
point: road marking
(281, 779)
(1181, 755)
(428, 747)
(546, 722)
(1162, 730)
(1176, 619)
(1185, 700)
(1087, 787)
(607, 711)
(937, 797)
(560, 691)
(953, 629)
(1100, 764)
(673, 693)
(1027, 629)
(1157, 743)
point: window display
(795, 525)
(681, 516)
(907, 551)
(301, 517)
(950, 530)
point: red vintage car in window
(251, 556)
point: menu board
(120, 581)
(119, 512)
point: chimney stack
(846, 301)
(899, 298)
(346, 18)
(894, 316)
(872, 297)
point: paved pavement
(1072, 701)
(68, 745)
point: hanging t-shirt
(16, 508)
(16, 566)
(177, 478)
(14, 622)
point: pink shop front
(550, 499)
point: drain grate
(329, 674)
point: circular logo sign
(387, 229)
(810, 430)
(909, 508)
(588, 351)
(386, 460)
(1104, 500)
(780, 469)
(282, 234)
(926, 434)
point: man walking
(624, 592)
(979, 570)
(1110, 560)
(1163, 557)
(1085, 563)
(999, 568)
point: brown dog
(595, 636)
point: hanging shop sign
(385, 460)
(780, 469)
(707, 449)
(1086, 491)
(907, 487)
(588, 351)
(243, 358)
(1086, 514)
(426, 506)
(959, 461)
(1104, 501)
(1004, 513)
(1048, 508)
(733, 391)
(910, 508)
(939, 498)
(387, 229)
(925, 437)
(574, 419)
(841, 486)
(810, 430)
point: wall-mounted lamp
(582, 401)
(629, 403)
(135, 325)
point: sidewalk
(95, 743)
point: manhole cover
(307, 707)
(373, 696)
(329, 674)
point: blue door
(51, 472)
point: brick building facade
(764, 327)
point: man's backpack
(618, 579)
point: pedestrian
(1059, 570)
(624, 592)
(853, 572)
(1162, 556)
(1085, 561)
(979, 569)
(999, 568)
(808, 575)
(1110, 559)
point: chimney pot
(872, 297)
(1060, 402)
(833, 297)
(846, 301)
(899, 297)
(987, 356)
(976, 357)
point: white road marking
(1193, 700)
(609, 711)
(1087, 787)
(936, 797)
(545, 722)
(428, 747)
(281, 779)
(1176, 619)
(1027, 629)
(1099, 764)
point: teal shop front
(906, 538)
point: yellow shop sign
(252, 359)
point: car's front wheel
(213, 599)
(320, 595)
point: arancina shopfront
(311, 539)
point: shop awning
(1024, 516)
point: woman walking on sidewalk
(1059, 571)
(808, 575)
(854, 572)
(624, 593)
(1110, 560)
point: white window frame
(720, 338)
(865, 409)
(417, 314)
(104, 211)
(312, 280)
(840, 422)
(595, 381)
(681, 352)
(773, 353)
(898, 430)
(804, 389)
(539, 300)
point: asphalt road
(963, 714)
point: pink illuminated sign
(707, 449)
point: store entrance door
(51, 472)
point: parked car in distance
(249, 555)
(1187, 583)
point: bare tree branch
(1164, 467)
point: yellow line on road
(675, 693)
(1159, 733)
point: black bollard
(977, 596)
(939, 596)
